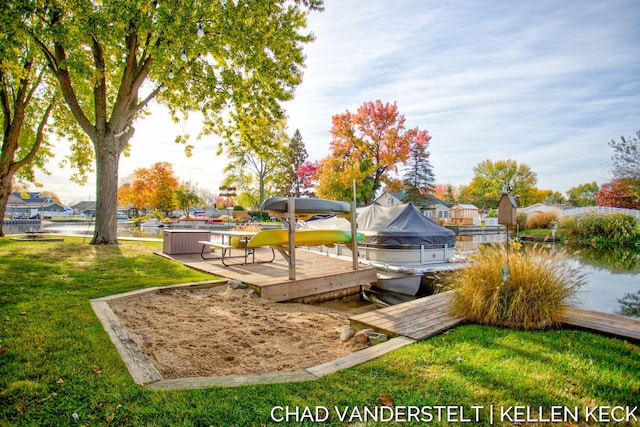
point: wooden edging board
(308, 374)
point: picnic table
(225, 247)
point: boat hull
(408, 284)
(420, 255)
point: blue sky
(546, 83)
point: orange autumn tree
(368, 146)
(152, 187)
(620, 193)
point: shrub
(591, 225)
(616, 227)
(537, 290)
(619, 227)
(541, 220)
(568, 227)
(610, 228)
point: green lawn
(56, 360)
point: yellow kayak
(280, 237)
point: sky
(545, 83)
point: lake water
(612, 273)
(613, 278)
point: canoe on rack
(306, 206)
(280, 237)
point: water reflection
(617, 259)
(613, 274)
(630, 305)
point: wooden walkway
(428, 316)
(417, 319)
(609, 324)
(316, 275)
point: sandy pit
(219, 331)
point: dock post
(354, 236)
(291, 214)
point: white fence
(601, 210)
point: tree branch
(6, 106)
(35, 85)
(69, 94)
(132, 79)
(100, 85)
(14, 124)
(39, 137)
(148, 99)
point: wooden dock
(417, 319)
(428, 316)
(317, 276)
(609, 324)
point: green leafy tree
(256, 152)
(28, 100)
(226, 60)
(187, 196)
(418, 181)
(583, 194)
(451, 195)
(554, 198)
(290, 183)
(466, 195)
(492, 179)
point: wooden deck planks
(620, 326)
(315, 274)
(417, 319)
(428, 316)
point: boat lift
(290, 209)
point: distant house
(34, 206)
(87, 208)
(16, 207)
(433, 208)
(436, 209)
(464, 214)
(390, 199)
(543, 208)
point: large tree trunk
(5, 192)
(107, 160)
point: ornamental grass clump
(521, 289)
